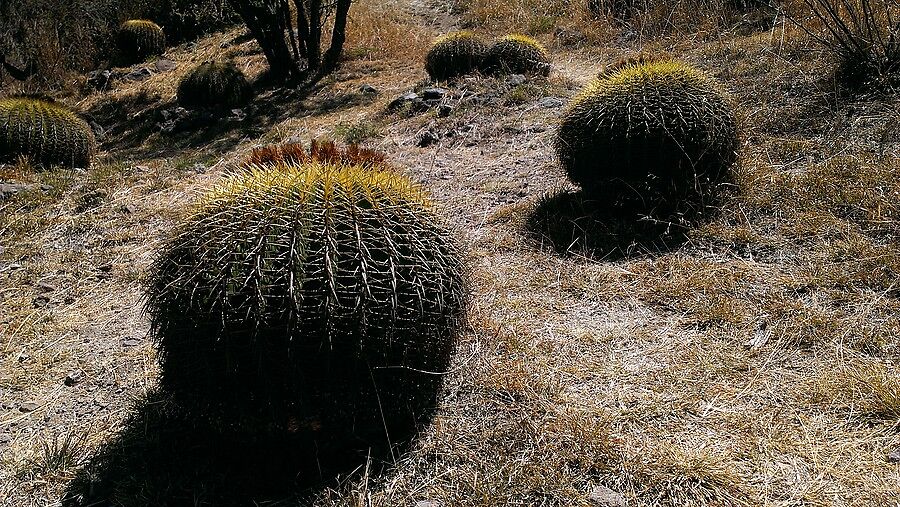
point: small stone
(894, 456)
(23, 357)
(434, 93)
(551, 102)
(444, 111)
(402, 100)
(29, 406)
(164, 65)
(40, 302)
(131, 342)
(368, 89)
(602, 496)
(515, 80)
(46, 287)
(106, 268)
(5, 438)
(426, 139)
(73, 377)
(8, 190)
(138, 74)
(427, 503)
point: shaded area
(575, 223)
(165, 456)
(142, 125)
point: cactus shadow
(578, 224)
(165, 456)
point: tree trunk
(338, 36)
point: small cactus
(453, 55)
(644, 125)
(45, 133)
(213, 84)
(309, 292)
(517, 54)
(139, 39)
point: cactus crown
(325, 152)
(140, 38)
(454, 54)
(214, 84)
(517, 53)
(648, 123)
(291, 284)
(44, 132)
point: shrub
(214, 84)
(309, 292)
(648, 126)
(454, 54)
(862, 35)
(139, 39)
(44, 132)
(517, 54)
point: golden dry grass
(752, 364)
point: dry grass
(753, 363)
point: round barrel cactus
(648, 126)
(45, 133)
(314, 295)
(517, 54)
(213, 84)
(453, 55)
(140, 38)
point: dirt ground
(750, 360)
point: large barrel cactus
(213, 84)
(454, 54)
(648, 126)
(517, 54)
(139, 39)
(312, 295)
(45, 133)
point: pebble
(515, 80)
(368, 89)
(894, 456)
(28, 406)
(602, 496)
(551, 102)
(131, 342)
(73, 377)
(164, 65)
(434, 93)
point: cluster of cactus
(648, 127)
(517, 54)
(45, 133)
(309, 292)
(326, 152)
(139, 39)
(461, 53)
(213, 84)
(454, 55)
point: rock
(131, 342)
(516, 80)
(368, 89)
(28, 406)
(426, 139)
(602, 496)
(428, 503)
(46, 287)
(99, 79)
(8, 190)
(537, 128)
(5, 438)
(551, 102)
(73, 377)
(40, 302)
(138, 74)
(444, 111)
(163, 65)
(894, 456)
(237, 115)
(434, 93)
(403, 100)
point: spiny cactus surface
(140, 38)
(517, 54)
(44, 132)
(659, 126)
(310, 292)
(214, 84)
(326, 152)
(454, 54)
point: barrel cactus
(309, 292)
(213, 84)
(140, 38)
(453, 55)
(45, 133)
(517, 54)
(648, 126)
